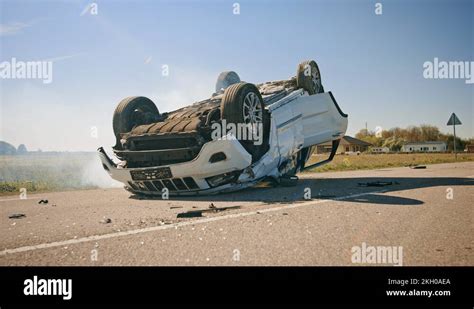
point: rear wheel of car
(308, 77)
(243, 104)
(131, 112)
(225, 79)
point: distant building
(424, 147)
(469, 148)
(347, 145)
(380, 150)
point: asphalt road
(266, 226)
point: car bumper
(187, 178)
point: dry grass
(375, 161)
(49, 172)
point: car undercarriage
(178, 136)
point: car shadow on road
(358, 189)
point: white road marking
(176, 225)
(13, 199)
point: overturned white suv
(241, 135)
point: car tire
(308, 77)
(225, 79)
(131, 112)
(243, 104)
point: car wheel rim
(252, 109)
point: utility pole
(455, 152)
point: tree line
(396, 137)
(9, 149)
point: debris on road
(17, 216)
(174, 207)
(190, 214)
(219, 209)
(377, 183)
(198, 213)
(163, 222)
(106, 221)
(43, 202)
(417, 166)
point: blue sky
(372, 63)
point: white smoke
(93, 174)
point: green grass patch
(378, 161)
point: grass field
(375, 161)
(71, 171)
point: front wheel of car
(242, 105)
(131, 112)
(308, 77)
